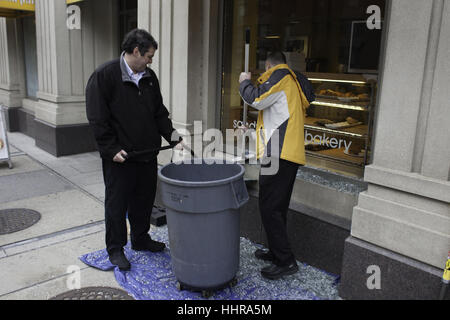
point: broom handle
(135, 154)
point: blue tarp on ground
(151, 277)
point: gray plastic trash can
(202, 207)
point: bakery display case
(339, 124)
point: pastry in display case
(339, 124)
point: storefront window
(332, 43)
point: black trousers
(274, 197)
(130, 187)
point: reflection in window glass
(315, 36)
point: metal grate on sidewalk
(94, 293)
(14, 220)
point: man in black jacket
(126, 113)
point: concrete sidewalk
(68, 192)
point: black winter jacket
(124, 116)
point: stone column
(66, 59)
(402, 223)
(144, 14)
(61, 99)
(12, 80)
(186, 62)
(61, 103)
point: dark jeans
(130, 187)
(274, 197)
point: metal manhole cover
(14, 220)
(94, 293)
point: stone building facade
(400, 222)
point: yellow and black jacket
(282, 106)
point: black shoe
(275, 272)
(149, 245)
(118, 259)
(265, 255)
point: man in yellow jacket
(282, 105)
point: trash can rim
(200, 183)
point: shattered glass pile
(331, 180)
(151, 277)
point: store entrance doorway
(128, 19)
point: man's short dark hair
(275, 58)
(141, 39)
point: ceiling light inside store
(273, 37)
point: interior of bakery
(332, 44)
